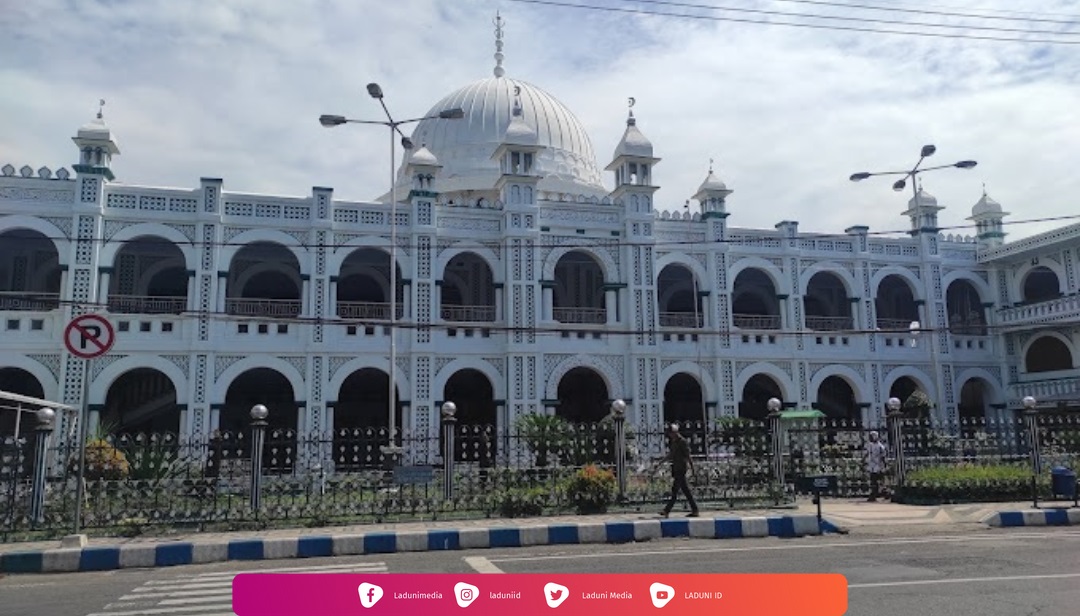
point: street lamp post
(373, 89)
(899, 185)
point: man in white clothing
(876, 455)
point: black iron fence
(266, 476)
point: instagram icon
(465, 594)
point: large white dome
(465, 146)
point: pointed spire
(630, 121)
(101, 107)
(499, 23)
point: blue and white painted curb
(1034, 517)
(104, 558)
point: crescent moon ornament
(517, 90)
(632, 101)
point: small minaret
(712, 195)
(423, 168)
(923, 211)
(633, 162)
(96, 147)
(517, 154)
(988, 217)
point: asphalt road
(1002, 572)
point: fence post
(1030, 420)
(618, 413)
(258, 440)
(449, 422)
(777, 438)
(44, 430)
(895, 424)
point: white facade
(518, 266)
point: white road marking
(1011, 578)
(675, 549)
(482, 565)
(351, 566)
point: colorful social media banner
(312, 594)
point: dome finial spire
(710, 165)
(101, 107)
(630, 121)
(499, 23)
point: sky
(233, 89)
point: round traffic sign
(89, 336)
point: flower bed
(968, 483)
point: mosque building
(523, 277)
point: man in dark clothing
(679, 454)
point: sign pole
(86, 336)
(84, 417)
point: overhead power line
(866, 20)
(561, 330)
(586, 242)
(793, 24)
(1003, 15)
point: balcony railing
(28, 300)
(580, 315)
(368, 311)
(468, 314)
(756, 321)
(829, 324)
(146, 304)
(1059, 309)
(681, 319)
(894, 324)
(274, 308)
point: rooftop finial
(630, 121)
(517, 101)
(101, 107)
(499, 23)
(984, 188)
(710, 165)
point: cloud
(233, 90)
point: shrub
(591, 489)
(104, 461)
(968, 483)
(522, 502)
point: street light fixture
(926, 152)
(375, 91)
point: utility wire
(562, 329)
(866, 20)
(149, 240)
(930, 10)
(769, 22)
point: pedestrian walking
(681, 463)
(876, 455)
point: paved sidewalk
(102, 553)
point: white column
(612, 303)
(549, 304)
(220, 294)
(332, 284)
(103, 288)
(499, 303)
(305, 297)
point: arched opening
(966, 312)
(756, 395)
(361, 417)
(975, 397)
(21, 382)
(826, 303)
(363, 287)
(29, 271)
(678, 298)
(754, 304)
(836, 399)
(141, 401)
(583, 396)
(895, 304)
(1048, 354)
(149, 277)
(903, 387)
(1041, 284)
(578, 295)
(683, 400)
(271, 389)
(472, 393)
(467, 293)
(263, 281)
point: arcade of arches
(149, 277)
(30, 271)
(835, 398)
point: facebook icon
(369, 594)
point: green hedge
(969, 483)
